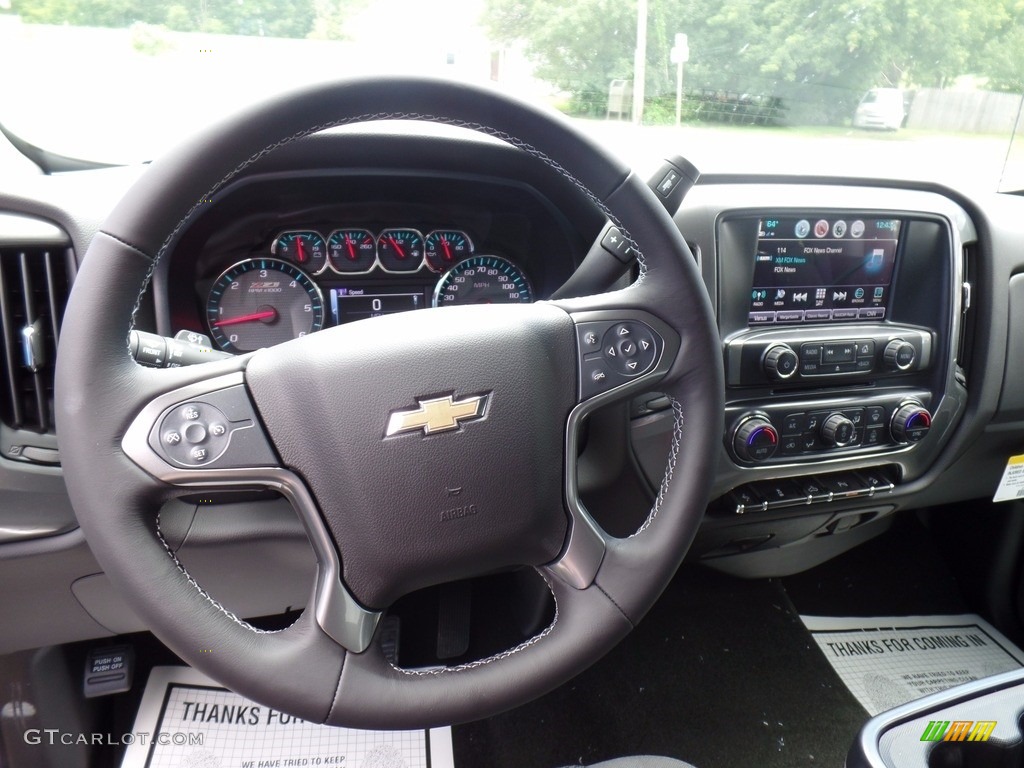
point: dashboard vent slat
(14, 415)
(34, 287)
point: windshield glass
(735, 86)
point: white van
(881, 108)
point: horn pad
(433, 441)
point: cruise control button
(190, 412)
(172, 437)
(195, 433)
(218, 430)
(197, 454)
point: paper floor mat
(186, 720)
(888, 661)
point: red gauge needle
(351, 249)
(267, 314)
(447, 250)
(302, 253)
(397, 247)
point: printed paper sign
(1011, 487)
(889, 661)
(187, 721)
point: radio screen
(820, 269)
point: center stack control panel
(836, 328)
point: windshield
(734, 86)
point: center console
(836, 327)
(976, 725)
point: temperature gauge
(352, 251)
(305, 248)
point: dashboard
(278, 258)
(872, 334)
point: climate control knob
(899, 355)
(837, 431)
(910, 423)
(755, 439)
(780, 362)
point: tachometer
(261, 302)
(483, 280)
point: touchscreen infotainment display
(823, 268)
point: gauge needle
(351, 250)
(447, 250)
(302, 253)
(397, 247)
(267, 314)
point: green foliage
(818, 56)
(274, 18)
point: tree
(275, 18)
(818, 55)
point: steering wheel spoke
(207, 435)
(416, 449)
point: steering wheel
(399, 414)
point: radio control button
(780, 362)
(809, 352)
(844, 314)
(900, 355)
(865, 348)
(843, 352)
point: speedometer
(261, 302)
(483, 280)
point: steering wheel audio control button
(630, 348)
(615, 352)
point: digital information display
(821, 269)
(351, 304)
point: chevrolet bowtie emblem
(440, 414)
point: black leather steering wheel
(396, 412)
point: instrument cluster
(308, 282)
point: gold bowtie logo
(440, 414)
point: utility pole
(679, 55)
(640, 62)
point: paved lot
(965, 161)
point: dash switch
(109, 670)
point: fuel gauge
(400, 250)
(303, 247)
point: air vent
(963, 353)
(34, 285)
